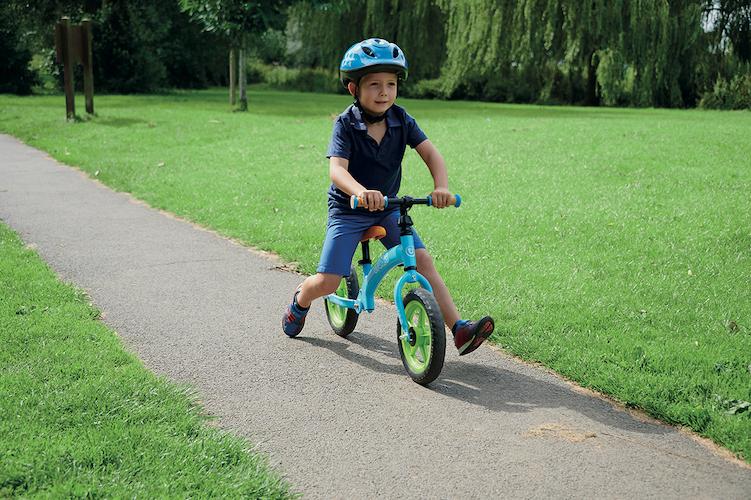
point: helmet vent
(368, 51)
(396, 52)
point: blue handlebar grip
(456, 204)
(354, 202)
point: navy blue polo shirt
(375, 166)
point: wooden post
(232, 76)
(87, 61)
(73, 45)
(67, 60)
(241, 81)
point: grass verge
(80, 417)
(612, 245)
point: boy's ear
(352, 87)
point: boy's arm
(342, 179)
(437, 166)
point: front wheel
(343, 319)
(423, 355)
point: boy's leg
(313, 287)
(343, 233)
(424, 266)
(318, 285)
(440, 291)
(468, 335)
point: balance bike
(420, 331)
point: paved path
(339, 418)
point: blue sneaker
(294, 317)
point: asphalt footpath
(339, 418)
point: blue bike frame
(404, 253)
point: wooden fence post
(232, 76)
(87, 61)
(67, 60)
(243, 106)
(73, 45)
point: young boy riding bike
(365, 156)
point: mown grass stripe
(81, 417)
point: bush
(270, 46)
(735, 94)
(426, 89)
(144, 46)
(15, 74)
(255, 71)
(302, 79)
(614, 78)
(192, 58)
(127, 48)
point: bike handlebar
(356, 202)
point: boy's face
(377, 92)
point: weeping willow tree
(319, 33)
(416, 26)
(478, 48)
(613, 52)
(618, 52)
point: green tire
(422, 359)
(342, 319)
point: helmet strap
(370, 118)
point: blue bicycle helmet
(372, 56)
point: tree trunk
(241, 70)
(591, 98)
(232, 76)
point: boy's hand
(441, 197)
(371, 199)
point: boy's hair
(373, 55)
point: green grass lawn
(80, 417)
(612, 245)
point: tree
(15, 75)
(236, 20)
(732, 26)
(139, 45)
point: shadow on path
(492, 387)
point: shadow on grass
(494, 388)
(119, 122)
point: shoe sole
(485, 331)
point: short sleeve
(415, 135)
(341, 144)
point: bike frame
(401, 254)
(404, 254)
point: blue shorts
(343, 234)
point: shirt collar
(359, 122)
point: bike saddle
(373, 233)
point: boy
(365, 156)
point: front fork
(364, 301)
(410, 276)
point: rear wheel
(423, 354)
(343, 319)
